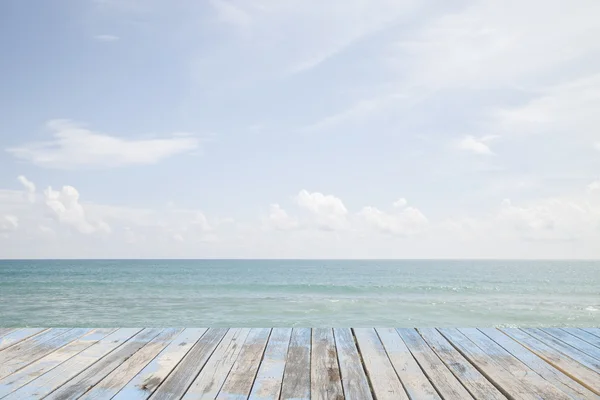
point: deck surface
(299, 363)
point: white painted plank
(214, 373)
(188, 369)
(568, 366)
(267, 385)
(325, 381)
(40, 350)
(479, 387)
(533, 361)
(154, 374)
(47, 363)
(440, 376)
(117, 379)
(55, 378)
(296, 379)
(384, 382)
(354, 379)
(16, 336)
(239, 382)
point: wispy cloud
(229, 13)
(476, 145)
(492, 44)
(106, 38)
(72, 146)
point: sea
(291, 293)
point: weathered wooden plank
(153, 375)
(593, 331)
(296, 379)
(568, 366)
(30, 344)
(56, 377)
(509, 384)
(16, 336)
(268, 381)
(118, 378)
(325, 381)
(575, 342)
(34, 353)
(412, 377)
(516, 368)
(45, 364)
(88, 378)
(479, 387)
(385, 383)
(188, 369)
(566, 349)
(27, 345)
(584, 335)
(354, 379)
(239, 382)
(214, 373)
(6, 331)
(537, 364)
(440, 376)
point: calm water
(299, 293)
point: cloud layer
(318, 225)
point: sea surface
(252, 293)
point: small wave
(591, 308)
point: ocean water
(314, 293)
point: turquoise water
(299, 293)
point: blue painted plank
(154, 374)
(296, 379)
(52, 360)
(267, 385)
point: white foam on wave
(591, 308)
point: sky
(299, 129)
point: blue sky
(365, 128)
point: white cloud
(106, 38)
(279, 219)
(475, 145)
(400, 203)
(594, 186)
(29, 186)
(9, 223)
(75, 146)
(66, 208)
(597, 146)
(46, 230)
(229, 13)
(329, 211)
(550, 219)
(409, 221)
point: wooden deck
(299, 363)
